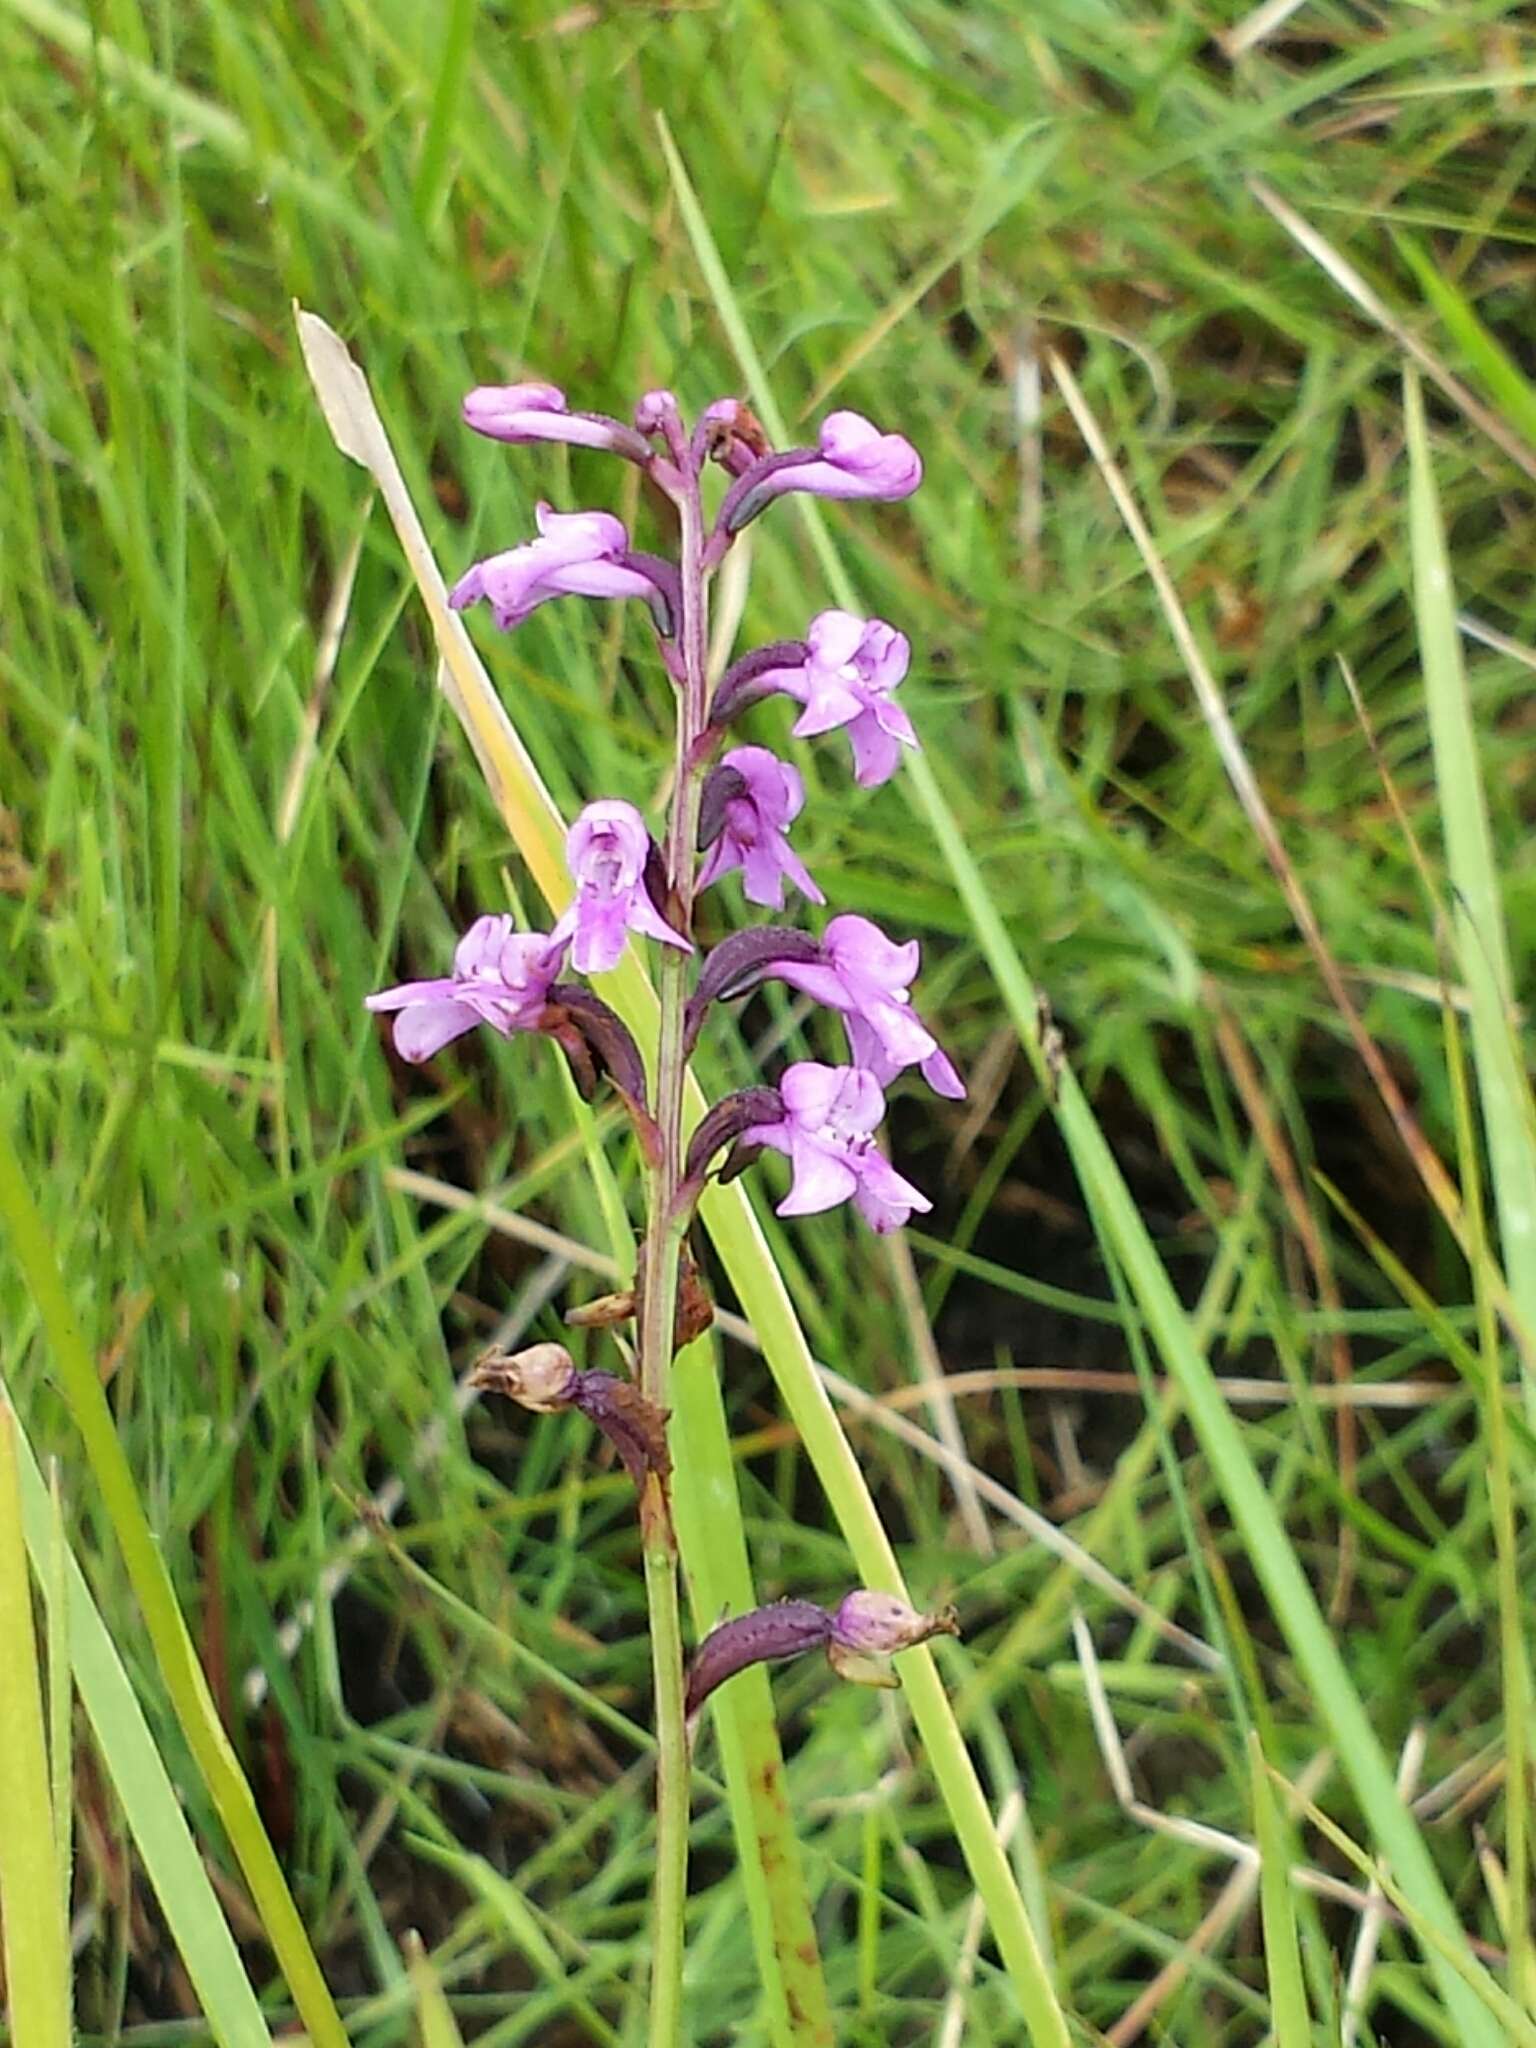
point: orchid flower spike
(826, 1131)
(749, 804)
(851, 459)
(577, 554)
(615, 868)
(500, 977)
(520, 413)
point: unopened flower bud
(543, 1378)
(878, 1624)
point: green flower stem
(670, 1891)
(658, 1313)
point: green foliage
(220, 831)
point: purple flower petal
(608, 850)
(942, 1075)
(829, 704)
(538, 412)
(749, 803)
(851, 667)
(425, 1028)
(829, 1117)
(851, 459)
(816, 1095)
(821, 1181)
(876, 756)
(407, 992)
(884, 1199)
(822, 983)
(479, 951)
(501, 978)
(580, 554)
(857, 946)
(867, 463)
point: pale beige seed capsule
(543, 1378)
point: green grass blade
(140, 1780)
(37, 1973)
(179, 1668)
(1501, 376)
(190, 111)
(1290, 1596)
(432, 179)
(53, 1576)
(434, 2015)
(1511, 2022)
(1277, 1906)
(1481, 943)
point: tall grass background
(1206, 1391)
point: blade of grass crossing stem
(180, 1671)
(719, 1574)
(534, 824)
(706, 1501)
(139, 1779)
(31, 1900)
(1277, 1906)
(1481, 944)
(1263, 1533)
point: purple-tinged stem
(659, 1270)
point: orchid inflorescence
(733, 810)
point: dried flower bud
(732, 433)
(635, 1427)
(543, 1378)
(765, 1636)
(603, 1313)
